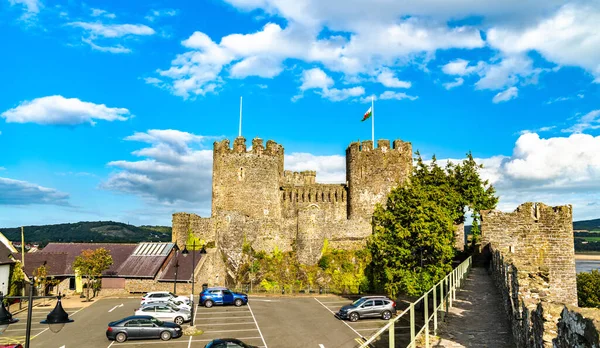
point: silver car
(368, 307)
(165, 312)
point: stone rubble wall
(531, 258)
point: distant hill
(89, 231)
(588, 225)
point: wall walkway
(477, 318)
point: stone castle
(256, 201)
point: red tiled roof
(184, 270)
(118, 251)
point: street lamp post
(185, 252)
(56, 319)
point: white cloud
(591, 120)
(330, 169)
(98, 29)
(256, 66)
(111, 49)
(508, 94)
(58, 110)
(395, 95)
(387, 78)
(457, 82)
(154, 14)
(173, 168)
(554, 171)
(102, 13)
(16, 192)
(461, 67)
(31, 6)
(315, 78)
(335, 94)
(506, 73)
(568, 37)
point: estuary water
(586, 265)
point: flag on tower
(367, 114)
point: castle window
(241, 174)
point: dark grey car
(138, 327)
(368, 307)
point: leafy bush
(588, 289)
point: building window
(72, 283)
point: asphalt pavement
(273, 322)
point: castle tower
(372, 172)
(247, 182)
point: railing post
(435, 310)
(412, 325)
(426, 320)
(450, 290)
(392, 333)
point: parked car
(162, 311)
(368, 307)
(14, 345)
(167, 301)
(142, 327)
(228, 343)
(165, 295)
(222, 296)
(182, 308)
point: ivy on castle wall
(339, 271)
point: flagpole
(373, 121)
(240, 131)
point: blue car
(222, 296)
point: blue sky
(110, 108)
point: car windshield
(358, 302)
(157, 322)
(173, 307)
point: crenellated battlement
(319, 193)
(239, 146)
(382, 145)
(307, 177)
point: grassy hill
(588, 225)
(90, 231)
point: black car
(137, 327)
(228, 343)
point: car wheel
(386, 315)
(165, 335)
(353, 316)
(208, 303)
(178, 320)
(121, 337)
(238, 302)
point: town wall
(539, 238)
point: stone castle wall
(539, 238)
(372, 172)
(255, 201)
(532, 261)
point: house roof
(146, 260)
(56, 263)
(6, 255)
(184, 270)
(118, 251)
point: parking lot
(303, 321)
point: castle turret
(245, 181)
(372, 172)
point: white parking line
(245, 323)
(39, 333)
(343, 321)
(335, 302)
(195, 312)
(253, 317)
(244, 330)
(224, 318)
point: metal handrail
(452, 281)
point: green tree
(17, 278)
(91, 264)
(40, 275)
(412, 245)
(588, 289)
(193, 240)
